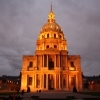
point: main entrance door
(50, 82)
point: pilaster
(24, 81)
(55, 82)
(59, 82)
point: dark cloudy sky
(21, 21)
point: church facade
(51, 68)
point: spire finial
(51, 15)
(51, 7)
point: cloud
(21, 21)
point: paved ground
(58, 95)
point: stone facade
(51, 68)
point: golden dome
(51, 35)
(51, 24)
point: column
(43, 60)
(40, 81)
(59, 82)
(67, 81)
(33, 81)
(43, 81)
(47, 60)
(47, 81)
(77, 80)
(55, 82)
(36, 61)
(43, 46)
(55, 62)
(59, 61)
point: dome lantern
(51, 15)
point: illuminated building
(51, 68)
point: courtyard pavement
(56, 95)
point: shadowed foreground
(57, 96)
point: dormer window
(47, 46)
(54, 35)
(47, 35)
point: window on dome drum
(54, 35)
(55, 46)
(42, 36)
(47, 35)
(72, 64)
(30, 64)
(60, 36)
(47, 46)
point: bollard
(35, 97)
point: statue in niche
(51, 82)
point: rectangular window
(47, 35)
(30, 64)
(60, 36)
(55, 46)
(72, 64)
(47, 46)
(29, 80)
(54, 35)
(45, 60)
